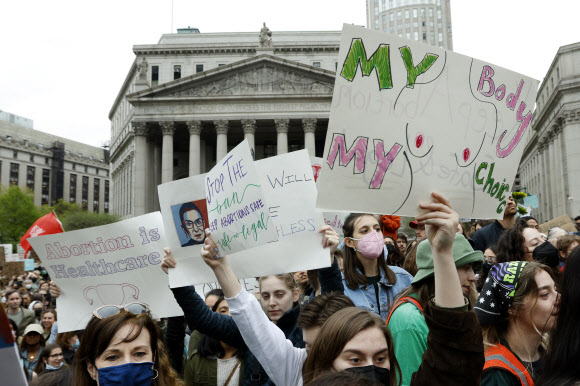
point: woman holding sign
(357, 340)
(368, 280)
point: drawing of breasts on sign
(109, 294)
(190, 220)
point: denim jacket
(364, 296)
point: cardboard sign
(29, 265)
(564, 222)
(13, 268)
(409, 118)
(113, 264)
(10, 368)
(237, 210)
(288, 187)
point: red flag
(46, 225)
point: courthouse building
(550, 165)
(52, 167)
(426, 21)
(190, 98)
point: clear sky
(63, 61)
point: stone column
(221, 128)
(282, 130)
(141, 132)
(167, 128)
(561, 179)
(156, 173)
(309, 125)
(249, 126)
(194, 128)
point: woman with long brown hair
(122, 345)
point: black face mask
(38, 312)
(546, 253)
(390, 248)
(376, 375)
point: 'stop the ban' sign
(409, 118)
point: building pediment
(264, 75)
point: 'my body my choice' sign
(408, 118)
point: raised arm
(330, 278)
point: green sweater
(409, 331)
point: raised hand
(440, 222)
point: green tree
(17, 214)
(75, 220)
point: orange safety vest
(500, 357)
(406, 299)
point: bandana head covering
(498, 292)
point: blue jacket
(364, 296)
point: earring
(156, 374)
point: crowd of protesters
(490, 303)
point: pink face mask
(370, 245)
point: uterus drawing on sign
(110, 294)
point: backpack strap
(403, 300)
(500, 357)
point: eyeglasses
(196, 225)
(56, 355)
(133, 308)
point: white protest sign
(249, 284)
(409, 118)
(288, 186)
(10, 367)
(112, 264)
(237, 209)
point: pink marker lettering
(384, 161)
(357, 150)
(486, 75)
(504, 152)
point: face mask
(33, 279)
(38, 312)
(390, 248)
(129, 374)
(49, 367)
(372, 373)
(546, 253)
(371, 245)
(76, 344)
(28, 286)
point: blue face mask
(129, 374)
(49, 367)
(76, 344)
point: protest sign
(10, 367)
(7, 249)
(531, 201)
(409, 118)
(112, 264)
(12, 257)
(564, 222)
(237, 210)
(29, 265)
(288, 187)
(13, 268)
(249, 284)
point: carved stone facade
(276, 97)
(550, 164)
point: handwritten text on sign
(409, 118)
(238, 215)
(112, 264)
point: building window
(391, 17)
(106, 206)
(391, 3)
(176, 72)
(440, 37)
(74, 166)
(73, 189)
(438, 14)
(45, 186)
(438, 3)
(432, 36)
(86, 169)
(398, 15)
(198, 68)
(415, 13)
(47, 161)
(154, 75)
(430, 12)
(400, 28)
(335, 66)
(425, 36)
(439, 26)
(423, 13)
(85, 193)
(14, 170)
(415, 24)
(408, 35)
(416, 35)
(316, 64)
(406, 14)
(408, 26)
(96, 190)
(32, 158)
(30, 177)
(384, 20)
(221, 64)
(377, 24)
(431, 24)
(15, 154)
(398, 3)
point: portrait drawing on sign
(190, 219)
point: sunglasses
(112, 310)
